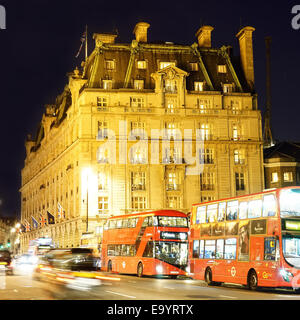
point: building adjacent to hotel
(97, 152)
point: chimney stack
(104, 37)
(246, 53)
(140, 31)
(204, 36)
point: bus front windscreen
(165, 221)
(290, 203)
(291, 249)
(175, 253)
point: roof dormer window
(222, 68)
(141, 64)
(198, 86)
(138, 84)
(110, 64)
(107, 84)
(165, 64)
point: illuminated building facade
(100, 150)
(282, 165)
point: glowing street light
(86, 173)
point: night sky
(38, 48)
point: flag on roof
(22, 229)
(51, 218)
(43, 220)
(61, 212)
(35, 224)
(82, 39)
(27, 226)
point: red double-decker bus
(253, 240)
(148, 243)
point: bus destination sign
(293, 225)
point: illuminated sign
(174, 235)
(292, 225)
(44, 241)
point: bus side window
(132, 223)
(148, 252)
(254, 208)
(119, 224)
(145, 222)
(132, 250)
(125, 250)
(230, 248)
(125, 223)
(221, 211)
(270, 249)
(110, 250)
(112, 224)
(210, 249)
(201, 215)
(232, 210)
(269, 206)
(196, 249)
(150, 221)
(201, 249)
(220, 249)
(243, 210)
(118, 250)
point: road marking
(131, 281)
(286, 296)
(169, 288)
(229, 297)
(121, 294)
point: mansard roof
(125, 57)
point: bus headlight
(183, 236)
(286, 275)
(159, 269)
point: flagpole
(86, 42)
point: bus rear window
(172, 221)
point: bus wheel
(252, 280)
(208, 277)
(140, 270)
(109, 266)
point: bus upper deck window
(232, 210)
(201, 214)
(145, 222)
(125, 223)
(254, 208)
(269, 206)
(212, 211)
(221, 211)
(243, 210)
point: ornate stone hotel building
(96, 154)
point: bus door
(271, 259)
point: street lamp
(86, 174)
